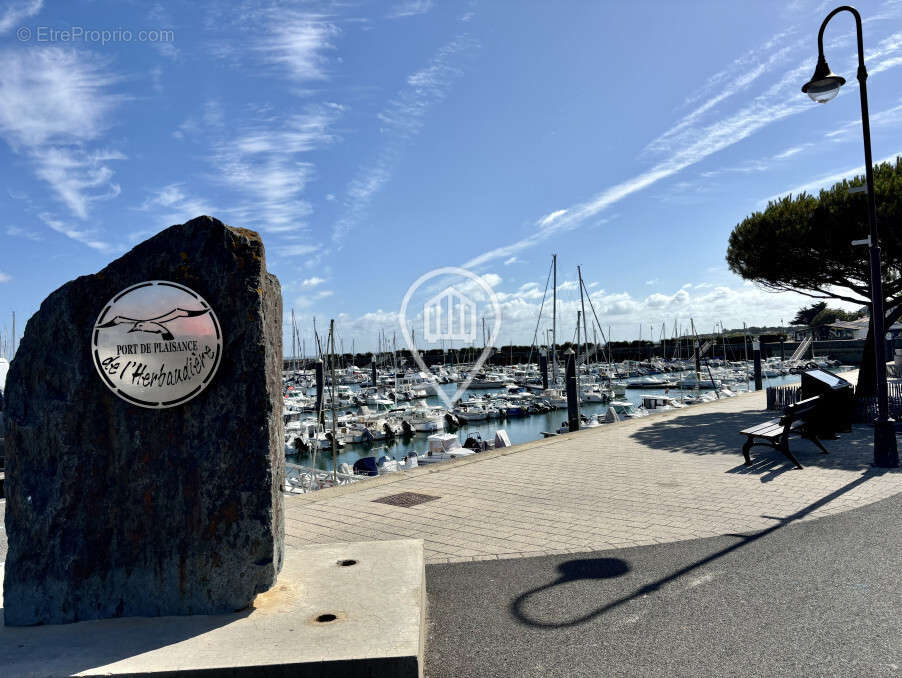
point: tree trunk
(867, 375)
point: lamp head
(824, 84)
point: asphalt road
(801, 599)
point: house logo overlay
(449, 316)
(452, 316)
(157, 344)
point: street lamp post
(824, 86)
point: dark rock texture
(117, 510)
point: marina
(390, 425)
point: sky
(371, 143)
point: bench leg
(745, 451)
(813, 438)
(784, 448)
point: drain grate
(406, 499)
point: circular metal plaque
(157, 344)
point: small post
(572, 392)
(756, 355)
(543, 368)
(320, 383)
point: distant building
(857, 329)
(798, 332)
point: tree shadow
(707, 433)
(600, 569)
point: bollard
(543, 368)
(572, 391)
(756, 354)
(318, 370)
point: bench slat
(772, 432)
(770, 429)
(757, 427)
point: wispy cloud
(410, 8)
(511, 260)
(5, 277)
(53, 104)
(401, 121)
(295, 250)
(827, 180)
(296, 42)
(79, 177)
(87, 237)
(172, 205)
(310, 283)
(703, 132)
(18, 11)
(266, 168)
(550, 218)
(789, 152)
(757, 165)
(16, 232)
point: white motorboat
(471, 411)
(660, 403)
(593, 393)
(648, 382)
(626, 409)
(443, 447)
(426, 419)
(556, 396)
(690, 381)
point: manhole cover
(406, 499)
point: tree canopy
(803, 244)
(806, 314)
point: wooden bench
(775, 433)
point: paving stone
(661, 478)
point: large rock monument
(144, 445)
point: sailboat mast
(334, 415)
(582, 302)
(554, 321)
(294, 351)
(663, 342)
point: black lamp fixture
(824, 84)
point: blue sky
(372, 142)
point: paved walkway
(667, 477)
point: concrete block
(377, 601)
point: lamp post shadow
(570, 571)
(601, 569)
